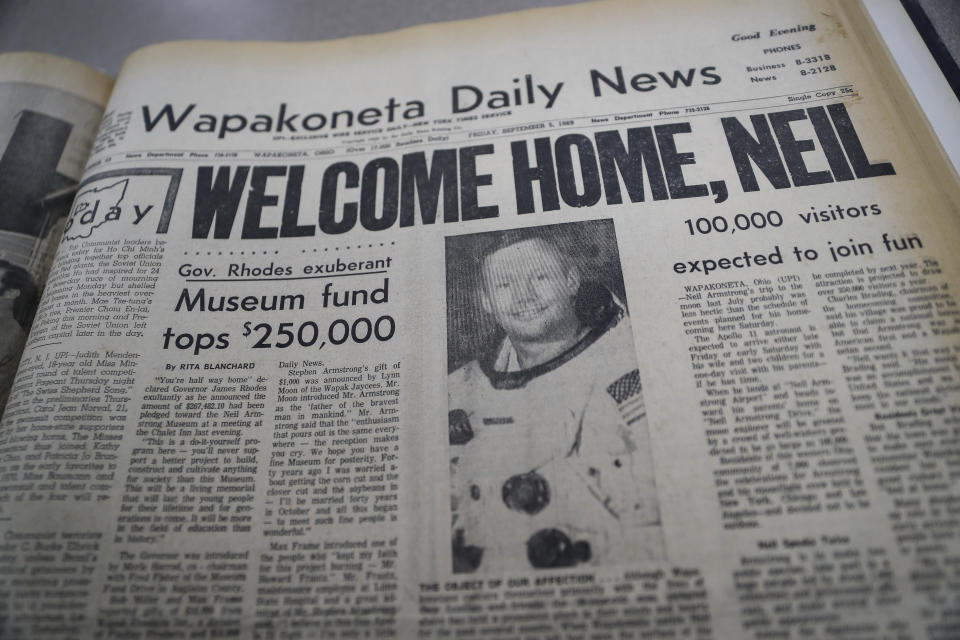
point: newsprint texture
(618, 320)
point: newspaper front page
(622, 320)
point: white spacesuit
(551, 465)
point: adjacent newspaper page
(622, 320)
(50, 109)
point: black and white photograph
(550, 457)
(45, 135)
(19, 297)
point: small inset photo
(550, 458)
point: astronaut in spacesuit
(550, 457)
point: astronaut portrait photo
(550, 458)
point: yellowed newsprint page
(50, 109)
(622, 320)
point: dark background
(102, 33)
